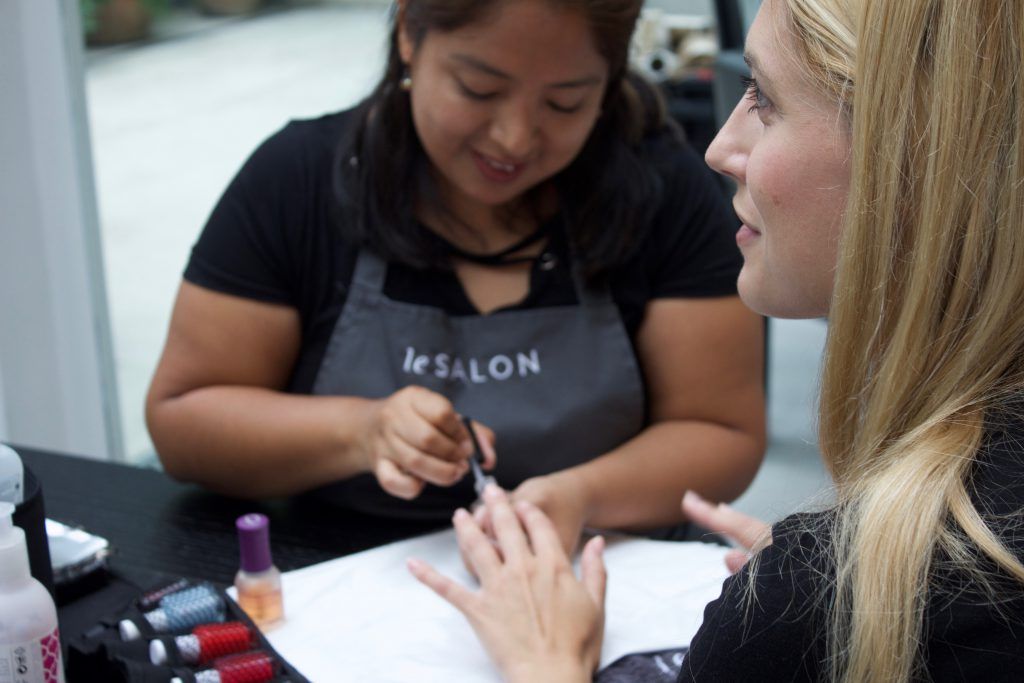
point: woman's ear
(406, 46)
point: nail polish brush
(480, 480)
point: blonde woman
(879, 159)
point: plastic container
(12, 476)
(29, 639)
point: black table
(156, 525)
(160, 530)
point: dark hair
(608, 193)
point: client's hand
(534, 617)
(750, 533)
(558, 496)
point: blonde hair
(926, 335)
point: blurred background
(122, 121)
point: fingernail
(467, 448)
(460, 514)
(492, 492)
(523, 505)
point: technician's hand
(534, 617)
(748, 532)
(414, 437)
(561, 498)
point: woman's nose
(514, 129)
(728, 152)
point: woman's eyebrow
(578, 83)
(755, 65)
(475, 63)
(750, 59)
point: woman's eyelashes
(485, 95)
(472, 94)
(564, 108)
(754, 95)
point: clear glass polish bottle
(258, 581)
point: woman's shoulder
(312, 140)
(272, 235)
(974, 625)
(998, 477)
(769, 620)
(788, 577)
(297, 160)
(801, 547)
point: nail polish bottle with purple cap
(258, 581)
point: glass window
(173, 118)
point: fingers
(396, 482)
(544, 538)
(477, 551)
(453, 593)
(721, 518)
(428, 422)
(485, 437)
(441, 431)
(427, 467)
(439, 411)
(594, 574)
(427, 437)
(507, 529)
(483, 520)
(735, 559)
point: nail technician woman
(507, 228)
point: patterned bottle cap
(254, 542)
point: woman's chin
(752, 291)
(774, 302)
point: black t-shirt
(274, 237)
(778, 633)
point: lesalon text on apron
(499, 367)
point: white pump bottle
(29, 641)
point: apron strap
(370, 270)
(598, 293)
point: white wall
(57, 388)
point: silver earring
(406, 82)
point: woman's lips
(496, 170)
(746, 235)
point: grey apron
(558, 385)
